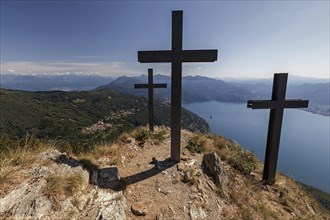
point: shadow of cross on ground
(108, 177)
(143, 175)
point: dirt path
(154, 184)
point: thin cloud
(59, 68)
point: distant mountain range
(194, 89)
(69, 82)
(292, 80)
(200, 89)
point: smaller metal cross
(150, 86)
(276, 106)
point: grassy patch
(286, 200)
(141, 134)
(59, 187)
(322, 197)
(198, 144)
(158, 137)
(244, 161)
(89, 159)
(18, 154)
(9, 177)
(124, 138)
(265, 211)
(241, 199)
(240, 159)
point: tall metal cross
(276, 106)
(176, 56)
(150, 86)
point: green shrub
(158, 137)
(244, 161)
(197, 144)
(141, 135)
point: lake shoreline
(303, 109)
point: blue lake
(304, 148)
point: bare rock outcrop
(30, 199)
(212, 166)
(196, 213)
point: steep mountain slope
(82, 118)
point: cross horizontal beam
(261, 104)
(166, 56)
(269, 104)
(146, 86)
(296, 103)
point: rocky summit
(135, 179)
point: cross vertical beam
(176, 90)
(150, 86)
(151, 100)
(275, 127)
(276, 106)
(176, 56)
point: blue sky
(254, 39)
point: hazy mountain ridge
(194, 88)
(82, 118)
(292, 80)
(67, 82)
(201, 89)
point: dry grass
(76, 202)
(124, 138)
(142, 134)
(9, 177)
(199, 143)
(252, 199)
(240, 159)
(90, 158)
(158, 137)
(60, 187)
(22, 152)
(243, 161)
(294, 199)
(16, 155)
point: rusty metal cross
(276, 106)
(150, 86)
(176, 56)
